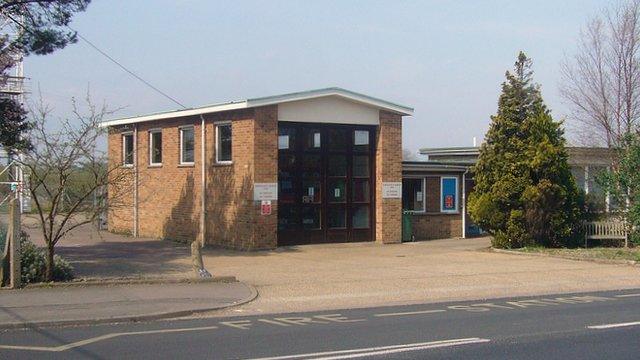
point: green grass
(595, 253)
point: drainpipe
(204, 181)
(135, 180)
(464, 204)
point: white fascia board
(175, 114)
(264, 101)
(363, 99)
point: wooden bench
(606, 230)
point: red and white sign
(265, 207)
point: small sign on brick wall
(392, 190)
(265, 191)
(265, 207)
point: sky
(446, 59)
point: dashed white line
(627, 295)
(380, 350)
(611, 326)
(410, 313)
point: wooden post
(13, 238)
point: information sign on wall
(265, 191)
(391, 190)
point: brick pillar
(388, 169)
(266, 171)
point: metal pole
(204, 181)
(135, 179)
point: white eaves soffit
(331, 105)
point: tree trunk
(48, 273)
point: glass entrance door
(325, 182)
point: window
(127, 149)
(187, 145)
(413, 196)
(223, 143)
(448, 194)
(155, 147)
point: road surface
(567, 326)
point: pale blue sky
(444, 58)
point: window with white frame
(155, 147)
(413, 196)
(127, 149)
(223, 143)
(449, 194)
(187, 145)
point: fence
(10, 256)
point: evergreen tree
(524, 192)
(43, 28)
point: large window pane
(286, 138)
(288, 217)
(360, 217)
(360, 190)
(155, 139)
(286, 165)
(337, 165)
(578, 176)
(311, 165)
(286, 192)
(361, 166)
(412, 195)
(337, 140)
(312, 139)
(311, 192)
(361, 140)
(337, 190)
(223, 150)
(336, 217)
(187, 145)
(127, 149)
(311, 217)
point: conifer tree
(524, 192)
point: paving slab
(77, 305)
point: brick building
(309, 167)
(435, 191)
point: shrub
(32, 263)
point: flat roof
(264, 101)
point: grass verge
(606, 253)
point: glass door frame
(297, 234)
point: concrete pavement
(337, 276)
(78, 304)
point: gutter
(204, 180)
(135, 180)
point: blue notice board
(449, 193)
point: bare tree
(601, 81)
(69, 175)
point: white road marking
(611, 326)
(627, 295)
(380, 350)
(409, 313)
(100, 338)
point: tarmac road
(564, 326)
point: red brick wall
(436, 226)
(433, 224)
(388, 169)
(169, 199)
